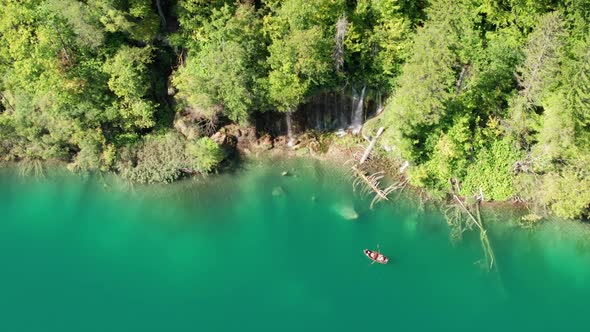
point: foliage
(128, 80)
(221, 74)
(203, 154)
(376, 42)
(298, 63)
(468, 106)
(481, 93)
(164, 158)
(300, 52)
(425, 84)
(539, 70)
(155, 159)
(568, 193)
(73, 80)
(492, 173)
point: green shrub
(165, 158)
(203, 154)
(567, 194)
(155, 159)
(6, 135)
(92, 144)
(492, 172)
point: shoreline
(340, 151)
(245, 143)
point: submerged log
(485, 241)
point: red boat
(376, 256)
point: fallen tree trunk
(371, 146)
(371, 182)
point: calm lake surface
(226, 254)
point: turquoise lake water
(225, 254)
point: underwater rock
(347, 212)
(278, 191)
(340, 133)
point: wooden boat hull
(376, 256)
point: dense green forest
(484, 97)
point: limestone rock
(347, 212)
(265, 142)
(187, 128)
(278, 191)
(227, 141)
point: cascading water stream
(289, 128)
(358, 110)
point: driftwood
(371, 146)
(370, 183)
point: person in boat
(374, 255)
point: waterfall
(338, 111)
(318, 122)
(357, 109)
(380, 103)
(289, 128)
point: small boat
(376, 256)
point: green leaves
(222, 74)
(66, 73)
(86, 81)
(376, 42)
(164, 158)
(128, 70)
(492, 172)
(155, 159)
(203, 154)
(423, 88)
(136, 18)
(82, 21)
(300, 51)
(539, 70)
(299, 62)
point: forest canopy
(480, 97)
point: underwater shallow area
(257, 251)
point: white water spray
(357, 109)
(289, 121)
